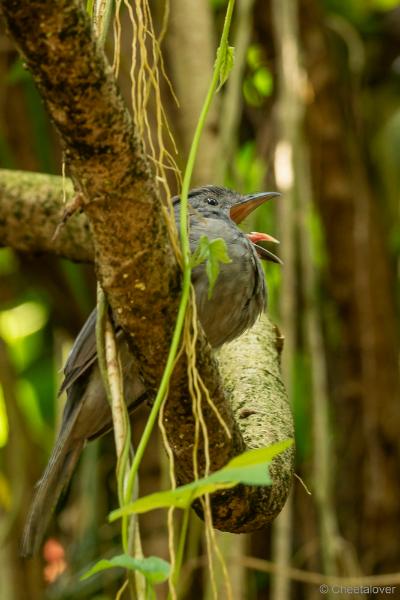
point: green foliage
(248, 168)
(181, 497)
(259, 83)
(225, 59)
(263, 82)
(249, 468)
(258, 456)
(156, 570)
(212, 253)
(24, 327)
(22, 320)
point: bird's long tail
(55, 479)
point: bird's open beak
(242, 209)
(262, 252)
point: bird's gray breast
(239, 293)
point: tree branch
(134, 260)
(251, 372)
(31, 208)
(249, 366)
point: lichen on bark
(133, 255)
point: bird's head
(215, 200)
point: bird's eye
(212, 201)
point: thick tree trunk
(108, 166)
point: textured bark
(261, 408)
(361, 284)
(134, 262)
(254, 403)
(31, 209)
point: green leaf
(155, 570)
(212, 253)
(250, 475)
(225, 59)
(181, 497)
(259, 455)
(201, 252)
(218, 253)
(249, 468)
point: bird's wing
(83, 353)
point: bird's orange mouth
(255, 237)
(262, 252)
(240, 210)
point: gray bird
(237, 300)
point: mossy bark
(31, 208)
(250, 370)
(134, 259)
